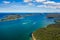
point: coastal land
(51, 32)
(13, 17)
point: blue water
(17, 30)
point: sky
(30, 6)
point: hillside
(51, 32)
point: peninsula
(51, 32)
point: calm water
(22, 29)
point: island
(14, 17)
(53, 15)
(51, 32)
(11, 17)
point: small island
(53, 15)
(11, 17)
(51, 32)
(14, 17)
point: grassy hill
(51, 32)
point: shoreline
(33, 38)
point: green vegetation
(51, 32)
(14, 17)
(57, 21)
(10, 17)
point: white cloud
(6, 2)
(34, 0)
(40, 0)
(41, 5)
(30, 4)
(49, 2)
(32, 8)
(27, 0)
(49, 6)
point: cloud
(49, 2)
(6, 2)
(34, 0)
(40, 5)
(30, 4)
(27, 0)
(49, 6)
(40, 0)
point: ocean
(22, 29)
